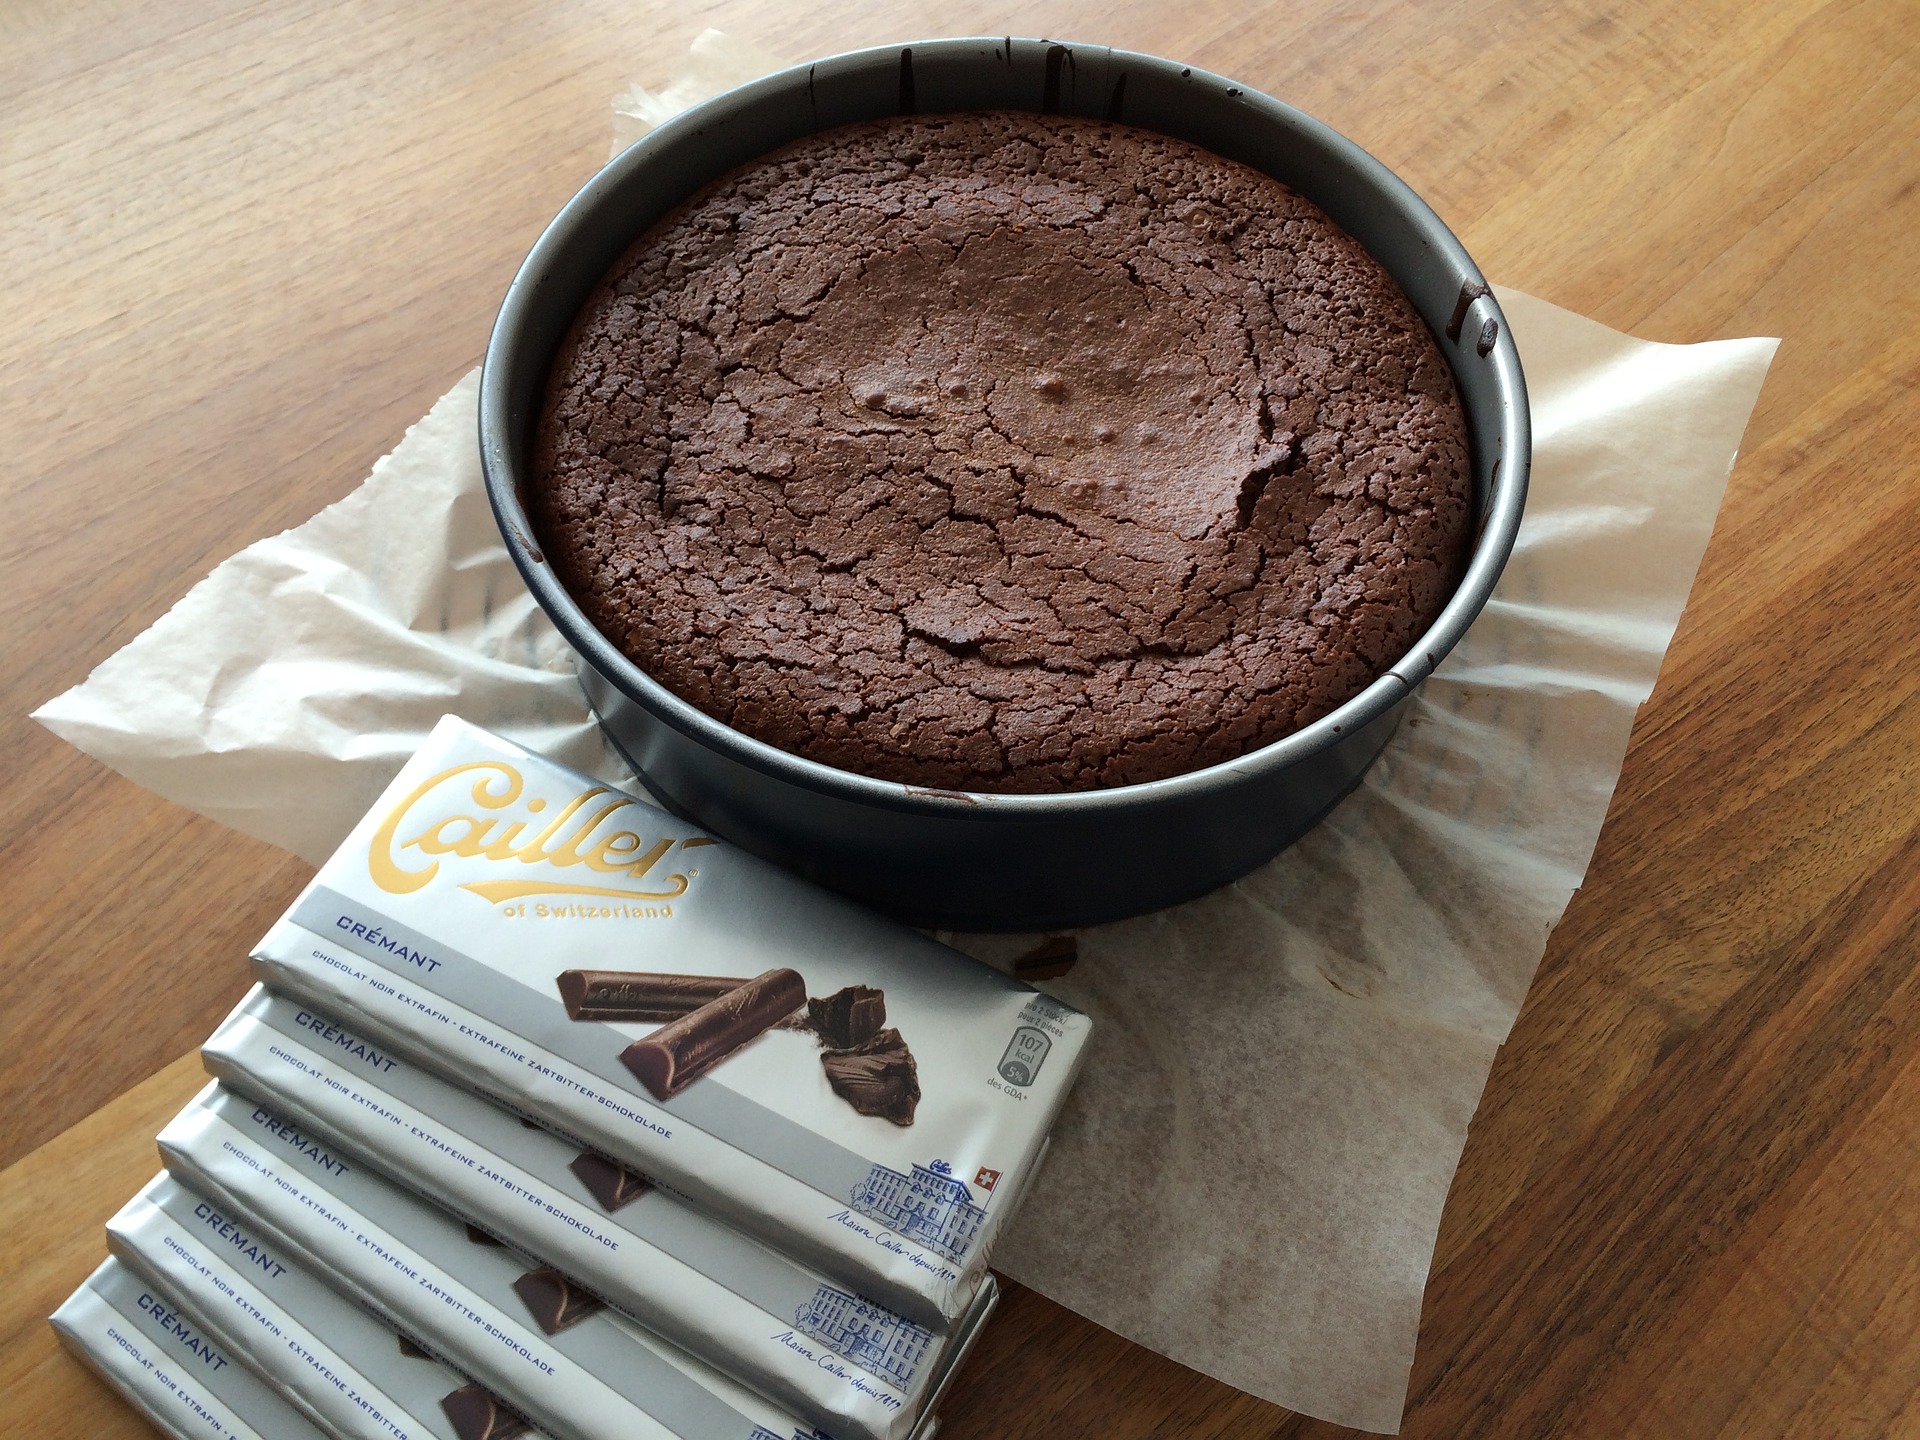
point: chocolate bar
(127, 1333)
(848, 1017)
(855, 1370)
(254, 1297)
(876, 1078)
(555, 1301)
(419, 936)
(411, 1350)
(638, 996)
(476, 1413)
(613, 1185)
(410, 1263)
(677, 1054)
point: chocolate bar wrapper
(185, 1384)
(333, 1361)
(444, 923)
(851, 1367)
(600, 1377)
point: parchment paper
(1250, 1174)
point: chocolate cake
(1004, 452)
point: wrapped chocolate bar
(540, 1342)
(350, 1374)
(136, 1340)
(854, 1369)
(843, 1087)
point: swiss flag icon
(986, 1179)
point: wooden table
(247, 244)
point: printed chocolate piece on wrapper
(612, 1183)
(555, 1301)
(877, 1077)
(848, 1017)
(681, 1051)
(476, 1413)
(639, 996)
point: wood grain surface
(247, 244)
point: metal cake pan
(971, 861)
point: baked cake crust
(1004, 452)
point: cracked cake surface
(1004, 452)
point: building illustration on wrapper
(876, 1340)
(928, 1206)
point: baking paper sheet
(1250, 1174)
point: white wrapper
(136, 1340)
(849, 1366)
(1306, 1148)
(445, 921)
(343, 1369)
(599, 1378)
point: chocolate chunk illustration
(612, 1184)
(477, 1414)
(877, 1077)
(677, 1054)
(555, 1301)
(848, 1017)
(638, 996)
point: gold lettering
(569, 853)
(610, 854)
(432, 840)
(652, 858)
(504, 848)
(496, 786)
(386, 870)
(534, 851)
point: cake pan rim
(1492, 545)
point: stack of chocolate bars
(551, 1115)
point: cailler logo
(575, 835)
